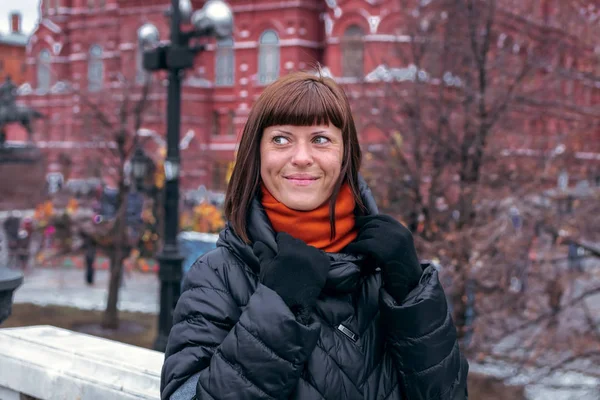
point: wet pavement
(67, 287)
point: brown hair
(298, 99)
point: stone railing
(45, 362)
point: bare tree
(115, 116)
(464, 102)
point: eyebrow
(290, 133)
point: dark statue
(11, 112)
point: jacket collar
(344, 274)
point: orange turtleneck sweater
(313, 226)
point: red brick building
(88, 44)
(12, 51)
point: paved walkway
(67, 287)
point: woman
(294, 304)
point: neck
(314, 227)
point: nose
(302, 156)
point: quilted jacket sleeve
(423, 342)
(252, 351)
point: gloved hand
(297, 272)
(390, 245)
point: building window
(216, 129)
(43, 71)
(231, 123)
(268, 57)
(224, 63)
(219, 175)
(95, 69)
(353, 52)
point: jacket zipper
(347, 332)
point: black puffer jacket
(246, 344)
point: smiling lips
(301, 179)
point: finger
(389, 219)
(358, 247)
(379, 218)
(369, 229)
(285, 240)
(360, 221)
(386, 218)
(353, 249)
(373, 221)
(263, 252)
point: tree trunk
(461, 303)
(111, 314)
(118, 255)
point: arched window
(268, 57)
(216, 123)
(231, 122)
(224, 63)
(43, 71)
(353, 52)
(95, 69)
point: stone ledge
(46, 362)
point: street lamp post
(214, 19)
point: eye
(321, 140)
(280, 140)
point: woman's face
(299, 165)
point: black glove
(297, 272)
(390, 245)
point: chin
(302, 203)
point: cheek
(270, 162)
(332, 162)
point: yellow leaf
(398, 140)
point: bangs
(303, 103)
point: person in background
(11, 227)
(25, 242)
(23, 249)
(311, 293)
(90, 257)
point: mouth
(301, 179)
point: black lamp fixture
(215, 19)
(139, 164)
